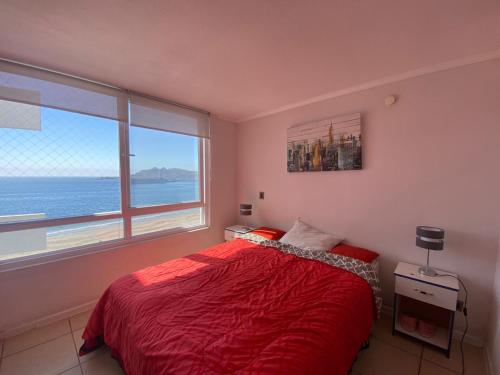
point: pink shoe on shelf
(408, 322)
(426, 328)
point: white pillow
(306, 237)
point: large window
(85, 166)
(165, 167)
(69, 166)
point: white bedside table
(429, 298)
(235, 231)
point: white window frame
(129, 211)
(126, 214)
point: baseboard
(386, 310)
(457, 334)
(46, 320)
(489, 362)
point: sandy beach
(94, 233)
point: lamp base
(427, 271)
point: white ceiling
(242, 58)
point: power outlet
(261, 195)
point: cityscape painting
(328, 145)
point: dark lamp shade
(245, 209)
(430, 232)
(430, 238)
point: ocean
(75, 196)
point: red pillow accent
(269, 233)
(355, 252)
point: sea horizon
(67, 196)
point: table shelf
(440, 339)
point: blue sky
(72, 144)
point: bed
(239, 307)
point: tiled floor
(53, 350)
(388, 355)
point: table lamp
(246, 210)
(430, 238)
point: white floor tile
(102, 365)
(382, 330)
(50, 358)
(35, 337)
(77, 335)
(384, 359)
(474, 358)
(74, 371)
(429, 368)
(80, 321)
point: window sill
(65, 254)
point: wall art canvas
(332, 144)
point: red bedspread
(234, 308)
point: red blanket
(234, 308)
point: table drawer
(427, 293)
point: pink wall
(29, 294)
(494, 330)
(430, 159)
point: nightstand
(432, 299)
(235, 231)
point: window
(82, 164)
(181, 219)
(164, 167)
(68, 167)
